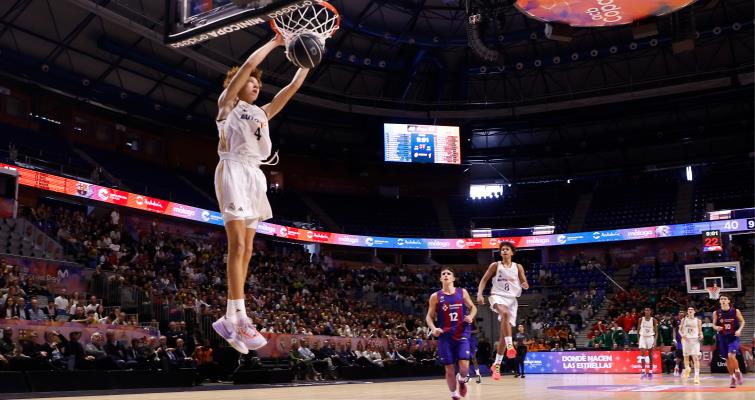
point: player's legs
(248, 249)
(685, 357)
(228, 326)
(463, 377)
(451, 380)
(505, 342)
(236, 232)
(696, 362)
(446, 356)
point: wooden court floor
(534, 387)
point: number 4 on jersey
(258, 134)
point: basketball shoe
(462, 385)
(227, 330)
(496, 368)
(733, 383)
(738, 375)
(248, 334)
(510, 352)
(697, 380)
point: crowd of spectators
(177, 278)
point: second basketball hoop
(305, 31)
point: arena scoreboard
(431, 144)
(712, 241)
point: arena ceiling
(400, 59)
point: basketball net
(320, 18)
(713, 292)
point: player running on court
(691, 332)
(729, 322)
(449, 316)
(508, 282)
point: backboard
(726, 275)
(190, 22)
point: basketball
(305, 50)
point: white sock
(235, 310)
(478, 371)
(736, 370)
(455, 394)
(498, 358)
(508, 340)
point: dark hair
(448, 269)
(507, 244)
(723, 295)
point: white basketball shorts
(509, 302)
(241, 189)
(647, 342)
(691, 347)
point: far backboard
(726, 275)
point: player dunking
(647, 326)
(691, 332)
(508, 283)
(729, 322)
(449, 317)
(240, 185)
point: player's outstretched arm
(484, 282)
(285, 94)
(229, 95)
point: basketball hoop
(319, 18)
(713, 292)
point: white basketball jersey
(689, 328)
(646, 327)
(506, 281)
(245, 133)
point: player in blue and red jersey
(449, 317)
(728, 321)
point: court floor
(534, 387)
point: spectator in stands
(117, 352)
(61, 303)
(308, 358)
(709, 333)
(120, 319)
(618, 336)
(34, 313)
(74, 351)
(50, 310)
(297, 364)
(78, 315)
(6, 343)
(184, 360)
(37, 357)
(166, 354)
(53, 351)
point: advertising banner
(588, 362)
(123, 333)
(57, 274)
(72, 187)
